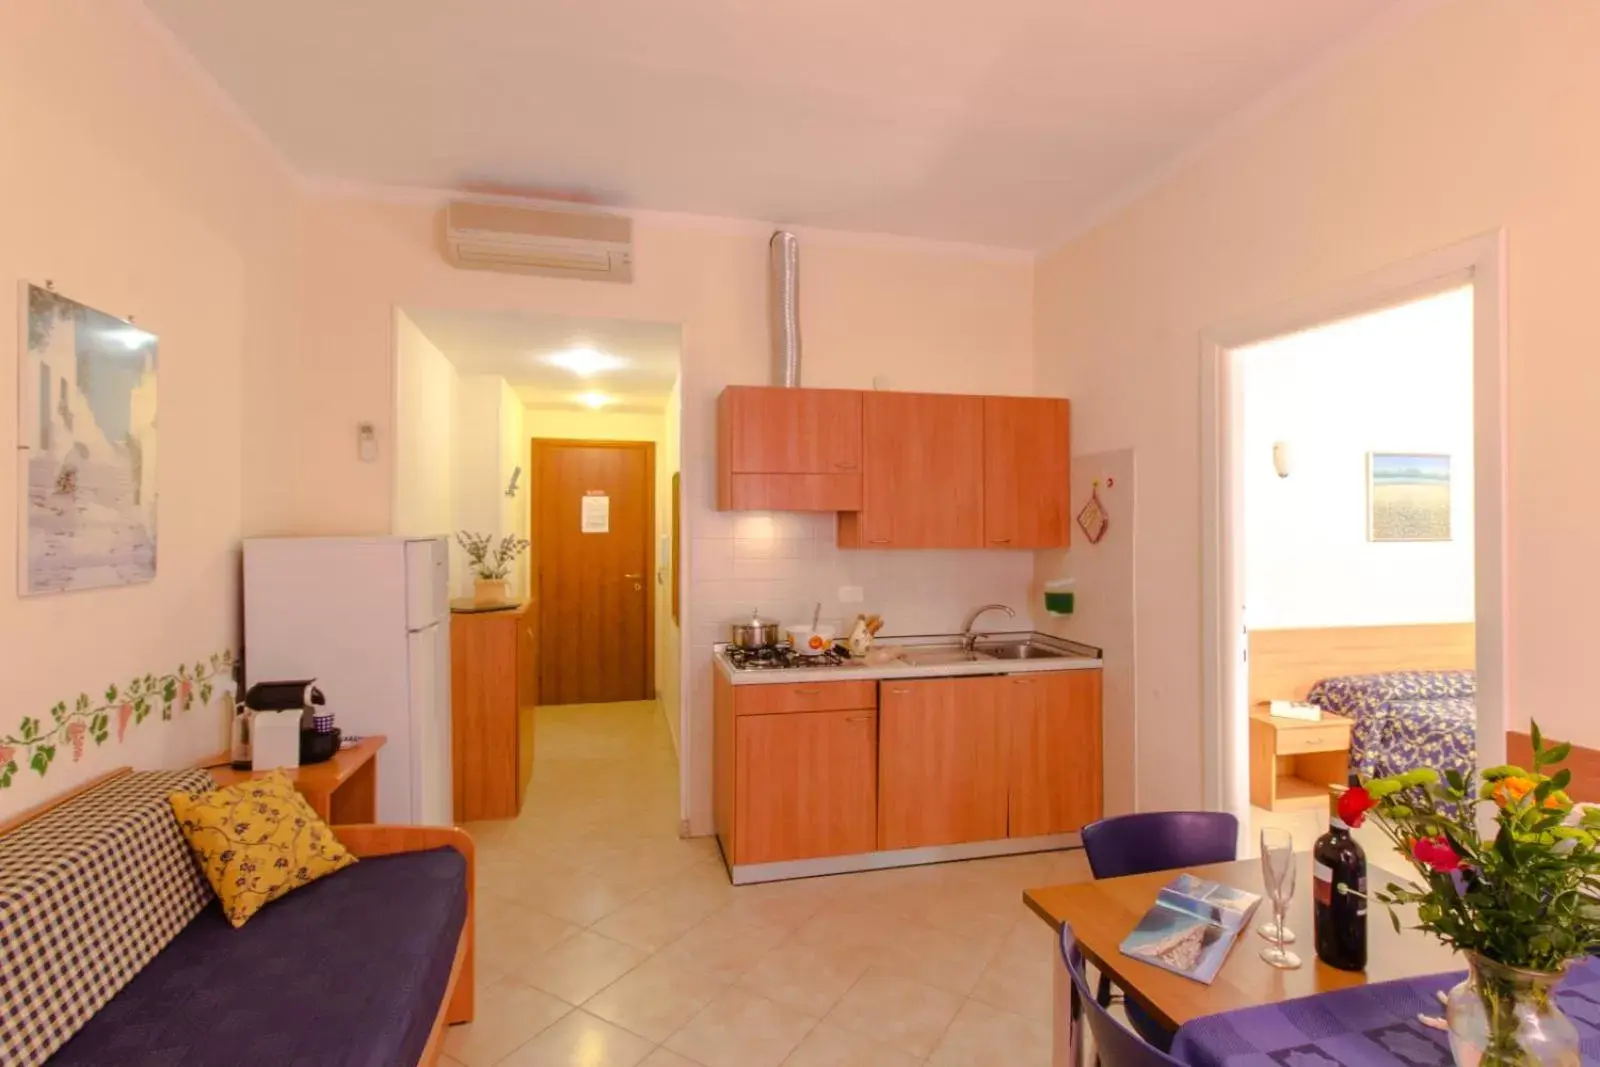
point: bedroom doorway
(1353, 469)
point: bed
(1403, 720)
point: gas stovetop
(781, 657)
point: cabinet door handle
(1022, 681)
(857, 718)
(999, 540)
(877, 541)
(807, 692)
(845, 465)
(899, 692)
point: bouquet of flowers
(491, 561)
(1520, 902)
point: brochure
(1191, 928)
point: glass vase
(1507, 1017)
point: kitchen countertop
(1077, 657)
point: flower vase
(489, 591)
(1507, 1017)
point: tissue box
(275, 739)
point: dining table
(1101, 914)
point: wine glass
(1277, 871)
(1273, 930)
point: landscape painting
(87, 417)
(1408, 497)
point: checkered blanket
(89, 893)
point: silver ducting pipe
(784, 253)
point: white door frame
(1479, 261)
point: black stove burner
(781, 657)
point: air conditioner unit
(566, 244)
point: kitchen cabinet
(922, 475)
(942, 755)
(791, 782)
(1053, 721)
(491, 734)
(789, 449)
(1026, 442)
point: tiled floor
(606, 941)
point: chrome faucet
(969, 639)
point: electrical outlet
(851, 594)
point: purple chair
(1156, 841)
(1114, 1046)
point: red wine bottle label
(1322, 886)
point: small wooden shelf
(1293, 762)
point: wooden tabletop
(322, 777)
(1102, 913)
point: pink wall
(1472, 117)
(134, 189)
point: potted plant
(1520, 903)
(491, 563)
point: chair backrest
(1160, 841)
(1114, 1044)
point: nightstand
(1293, 762)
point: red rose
(1436, 852)
(1354, 803)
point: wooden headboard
(1285, 664)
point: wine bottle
(1339, 867)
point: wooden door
(1026, 457)
(942, 763)
(593, 566)
(1054, 725)
(806, 785)
(922, 467)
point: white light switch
(851, 594)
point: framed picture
(87, 419)
(1408, 496)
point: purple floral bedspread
(1405, 719)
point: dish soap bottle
(1339, 867)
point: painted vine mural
(37, 742)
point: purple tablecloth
(1364, 1026)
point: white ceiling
(514, 344)
(1006, 123)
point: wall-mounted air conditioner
(566, 244)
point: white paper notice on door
(596, 512)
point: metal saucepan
(757, 633)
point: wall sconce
(1282, 458)
(511, 490)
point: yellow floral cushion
(256, 841)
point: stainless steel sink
(941, 657)
(1018, 650)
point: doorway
(1478, 265)
(592, 519)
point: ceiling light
(584, 362)
(593, 400)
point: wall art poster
(87, 415)
(1408, 497)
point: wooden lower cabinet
(942, 762)
(1054, 770)
(491, 730)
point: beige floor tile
(981, 1036)
(506, 1016)
(807, 979)
(579, 967)
(661, 915)
(515, 935)
(665, 1057)
(907, 1014)
(655, 999)
(741, 1029)
(575, 894)
(723, 946)
(934, 956)
(581, 1040)
(1019, 977)
(829, 1046)
(449, 1061)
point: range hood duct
(784, 255)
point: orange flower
(1510, 791)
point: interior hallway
(606, 940)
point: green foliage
(491, 560)
(1529, 895)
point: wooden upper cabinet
(1053, 721)
(788, 449)
(1026, 501)
(806, 785)
(922, 475)
(942, 748)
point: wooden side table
(1293, 762)
(342, 790)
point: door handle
(633, 576)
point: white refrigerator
(369, 618)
